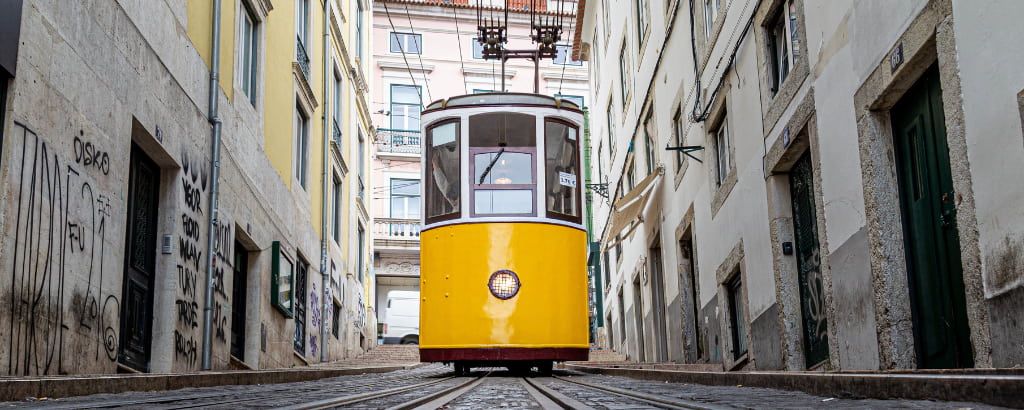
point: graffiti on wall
(60, 231)
(190, 259)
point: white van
(402, 317)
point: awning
(629, 208)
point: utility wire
(419, 92)
(568, 47)
(419, 54)
(458, 37)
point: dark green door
(941, 334)
(140, 261)
(808, 262)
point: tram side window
(442, 179)
(560, 151)
(502, 146)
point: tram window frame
(532, 186)
(430, 185)
(548, 169)
(480, 145)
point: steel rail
(356, 398)
(545, 394)
(439, 399)
(649, 398)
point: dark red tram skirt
(505, 353)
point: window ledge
(723, 192)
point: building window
(302, 21)
(281, 282)
(250, 52)
(301, 146)
(406, 42)
(301, 269)
(723, 151)
(362, 164)
(600, 165)
(641, 20)
(335, 322)
(677, 134)
(736, 319)
(649, 141)
(576, 99)
(563, 55)
(478, 48)
(336, 120)
(359, 29)
(405, 198)
(781, 35)
(405, 107)
(624, 77)
(611, 132)
(710, 15)
(361, 259)
(336, 209)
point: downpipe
(324, 280)
(214, 186)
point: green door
(808, 261)
(941, 334)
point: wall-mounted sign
(896, 58)
(785, 138)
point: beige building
(841, 190)
(166, 185)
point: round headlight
(504, 284)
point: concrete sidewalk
(1000, 387)
(19, 388)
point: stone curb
(999, 390)
(13, 389)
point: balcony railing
(301, 57)
(396, 229)
(398, 141)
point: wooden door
(140, 262)
(808, 261)
(658, 307)
(938, 303)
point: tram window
(498, 201)
(502, 129)
(442, 179)
(561, 166)
(504, 179)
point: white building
(856, 202)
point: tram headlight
(504, 284)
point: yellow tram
(503, 246)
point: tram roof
(502, 99)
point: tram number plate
(567, 179)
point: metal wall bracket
(687, 149)
(600, 189)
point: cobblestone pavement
(501, 389)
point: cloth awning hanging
(629, 208)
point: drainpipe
(325, 178)
(214, 185)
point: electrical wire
(462, 61)
(568, 46)
(387, 12)
(419, 55)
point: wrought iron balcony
(396, 229)
(398, 141)
(301, 57)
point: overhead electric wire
(394, 30)
(568, 46)
(462, 61)
(419, 54)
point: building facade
(183, 186)
(803, 184)
(422, 51)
